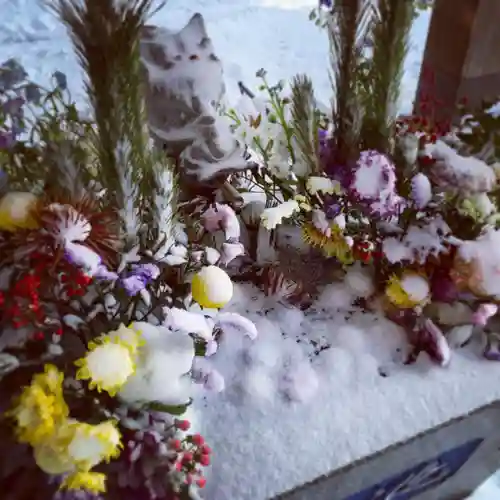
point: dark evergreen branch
(348, 28)
(390, 41)
(305, 121)
(105, 35)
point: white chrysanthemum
(107, 365)
(272, 217)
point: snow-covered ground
(291, 410)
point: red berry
(204, 460)
(197, 439)
(201, 482)
(59, 331)
(178, 466)
(183, 425)
(187, 457)
(206, 450)
(175, 444)
(39, 336)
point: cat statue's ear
(184, 88)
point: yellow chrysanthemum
(16, 211)
(90, 445)
(40, 407)
(334, 245)
(107, 365)
(52, 459)
(94, 482)
(408, 291)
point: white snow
(416, 287)
(484, 253)
(288, 414)
(466, 171)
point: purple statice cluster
(370, 184)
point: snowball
(416, 287)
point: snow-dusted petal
(228, 321)
(189, 322)
(272, 217)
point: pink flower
(484, 313)
(222, 217)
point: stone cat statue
(184, 87)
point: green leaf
(200, 348)
(176, 410)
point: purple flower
(492, 349)
(139, 278)
(332, 207)
(7, 140)
(484, 313)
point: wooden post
(463, 54)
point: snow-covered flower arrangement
(111, 286)
(409, 197)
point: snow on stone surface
(319, 389)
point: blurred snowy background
(248, 35)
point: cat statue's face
(185, 79)
(184, 85)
